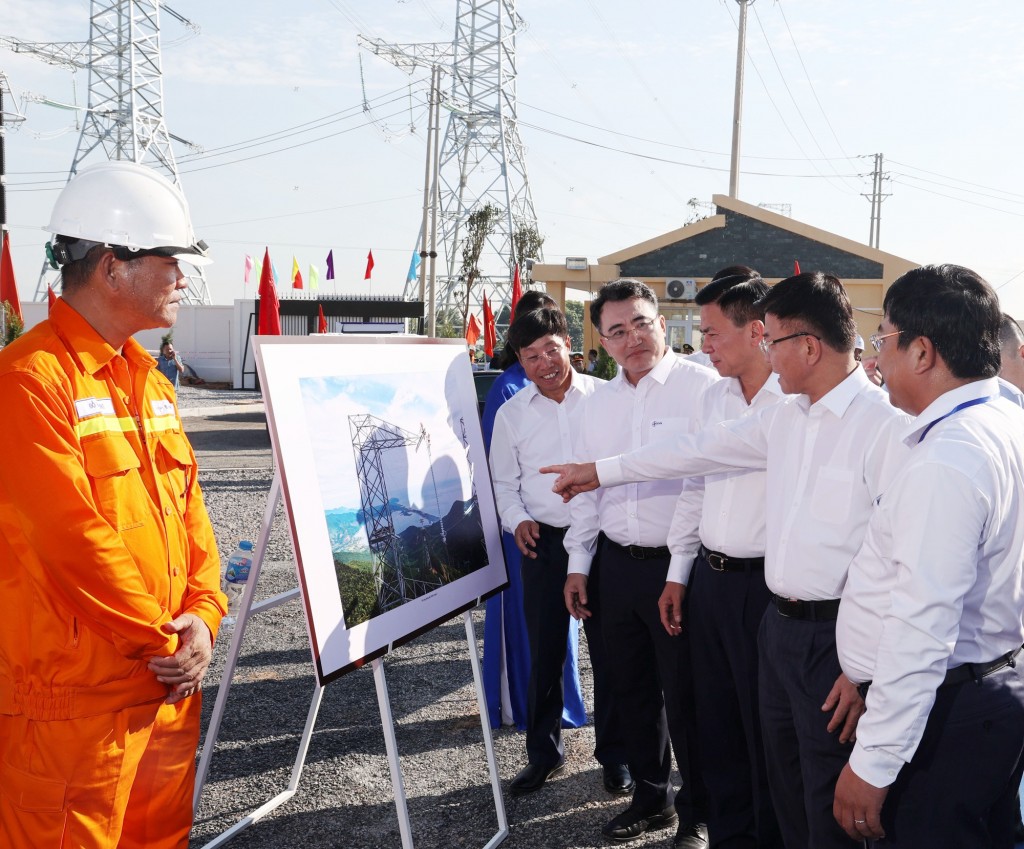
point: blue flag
(414, 265)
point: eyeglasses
(876, 339)
(766, 344)
(641, 327)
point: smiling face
(641, 345)
(546, 363)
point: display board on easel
(385, 481)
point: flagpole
(432, 312)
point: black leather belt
(724, 563)
(641, 552)
(810, 611)
(552, 529)
(976, 671)
(967, 671)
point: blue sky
(407, 401)
(625, 111)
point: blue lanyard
(973, 402)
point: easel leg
(492, 761)
(391, 744)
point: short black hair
(76, 273)
(956, 309)
(1011, 335)
(819, 301)
(624, 289)
(530, 300)
(737, 290)
(534, 325)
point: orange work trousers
(121, 779)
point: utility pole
(876, 197)
(737, 107)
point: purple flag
(330, 264)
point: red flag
(51, 298)
(321, 326)
(296, 274)
(517, 291)
(490, 333)
(796, 267)
(8, 285)
(270, 311)
(472, 330)
(369, 265)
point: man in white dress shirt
(622, 534)
(536, 423)
(1011, 360)
(717, 540)
(829, 451)
(933, 611)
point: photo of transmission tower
(395, 480)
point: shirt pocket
(833, 495)
(174, 466)
(113, 470)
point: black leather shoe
(631, 823)
(617, 780)
(691, 836)
(532, 777)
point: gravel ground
(344, 798)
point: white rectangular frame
(282, 362)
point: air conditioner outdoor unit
(681, 289)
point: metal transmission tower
(371, 437)
(481, 159)
(124, 117)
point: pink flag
(248, 269)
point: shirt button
(167, 511)
(174, 571)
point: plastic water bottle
(236, 577)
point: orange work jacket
(104, 536)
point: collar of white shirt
(946, 403)
(660, 372)
(531, 391)
(838, 399)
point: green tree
(12, 324)
(479, 225)
(574, 318)
(606, 368)
(527, 243)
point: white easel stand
(383, 700)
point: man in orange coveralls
(109, 573)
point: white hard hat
(858, 343)
(126, 206)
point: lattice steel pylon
(482, 158)
(371, 437)
(124, 116)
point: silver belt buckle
(716, 561)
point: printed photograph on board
(385, 482)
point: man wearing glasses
(621, 536)
(829, 452)
(931, 614)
